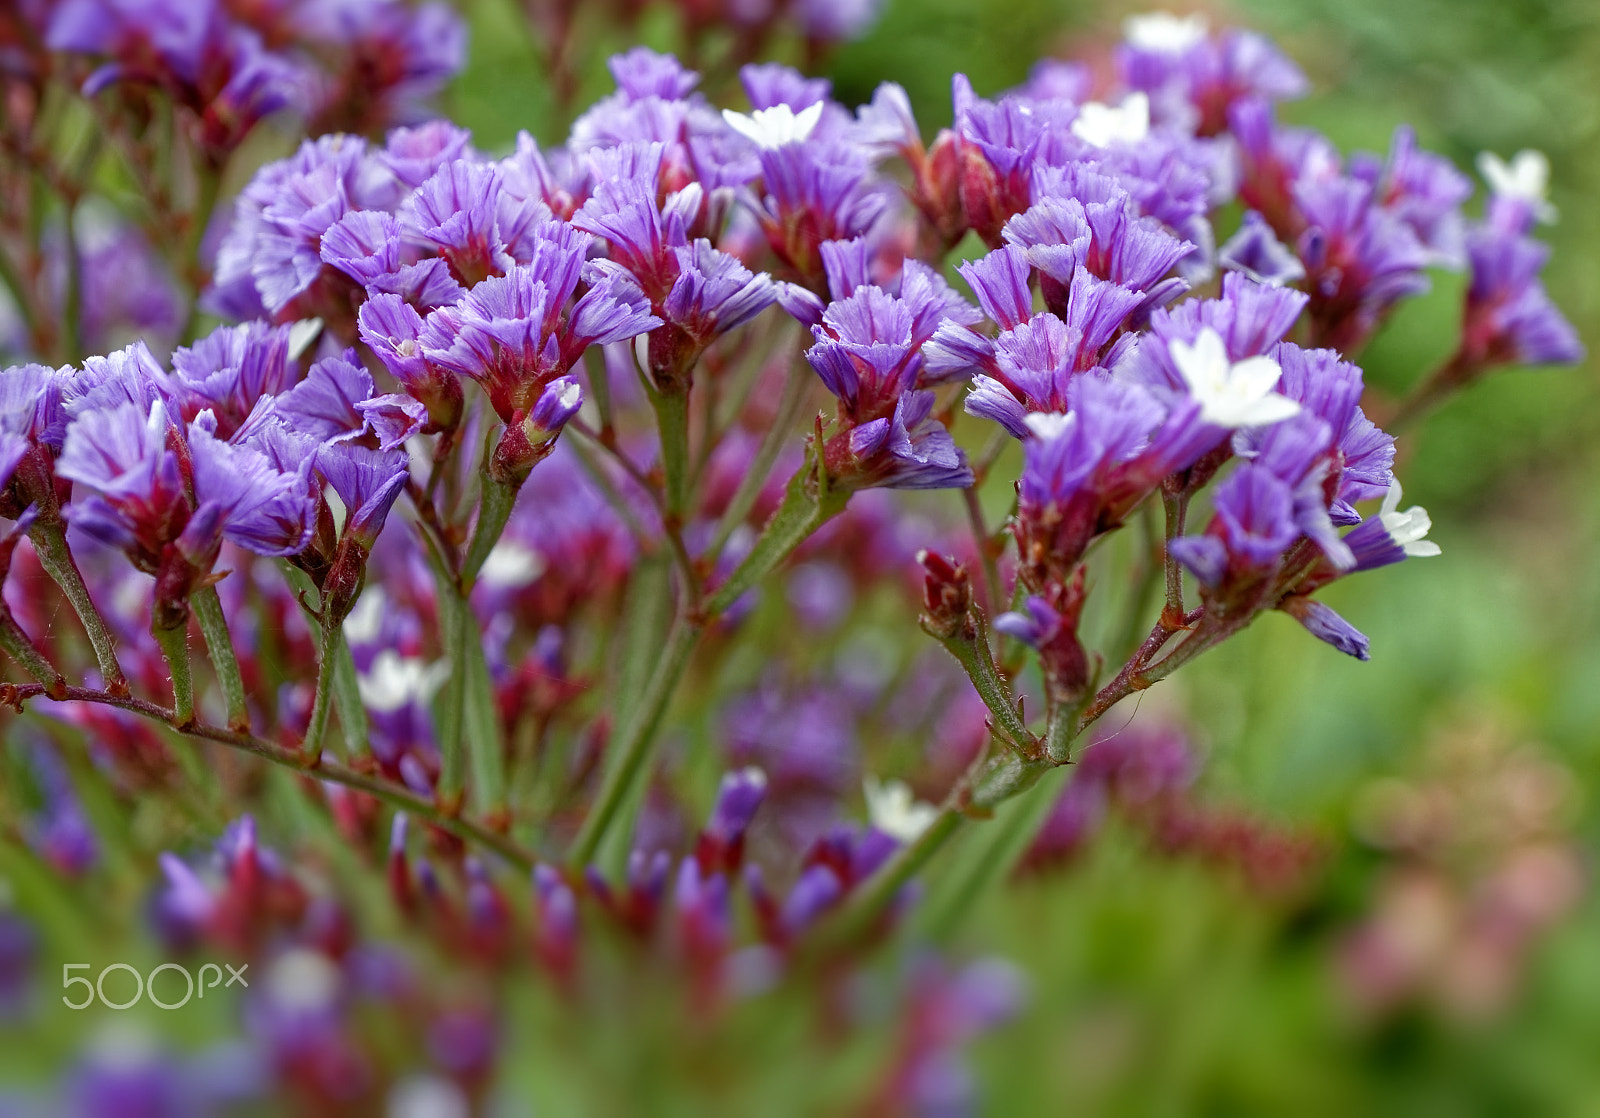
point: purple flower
(364, 245)
(30, 413)
(1109, 238)
(1331, 389)
(1256, 253)
(122, 453)
(1193, 78)
(907, 450)
(1509, 317)
(1253, 527)
(412, 155)
(714, 293)
(1360, 259)
(1423, 190)
(229, 370)
(274, 243)
(1391, 536)
(814, 192)
(456, 214)
(368, 483)
(390, 60)
(513, 333)
(336, 402)
(1326, 625)
(641, 72)
(262, 509)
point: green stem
(990, 855)
(347, 699)
(631, 748)
(970, 647)
(331, 638)
(1176, 506)
(397, 795)
(219, 642)
(21, 649)
(50, 543)
(744, 497)
(672, 420)
(800, 515)
(498, 500)
(174, 644)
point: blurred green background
(1161, 986)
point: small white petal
(511, 565)
(1049, 425)
(394, 681)
(1165, 32)
(892, 809)
(777, 126)
(1103, 125)
(1525, 179)
(301, 335)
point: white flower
(1409, 528)
(363, 623)
(893, 810)
(396, 680)
(1103, 125)
(511, 565)
(1231, 393)
(1525, 179)
(428, 1096)
(303, 979)
(775, 127)
(1164, 32)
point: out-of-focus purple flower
(1509, 318)
(1423, 190)
(720, 845)
(1257, 253)
(385, 60)
(1193, 78)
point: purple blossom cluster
(345, 65)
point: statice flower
(1192, 77)
(515, 333)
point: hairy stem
(50, 543)
(396, 795)
(970, 647)
(219, 643)
(21, 648)
(331, 637)
(800, 515)
(174, 644)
